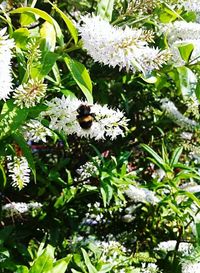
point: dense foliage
(99, 131)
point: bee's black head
(84, 110)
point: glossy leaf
(2, 177)
(186, 51)
(22, 269)
(35, 11)
(27, 18)
(44, 67)
(90, 267)
(11, 118)
(69, 23)
(47, 32)
(61, 265)
(21, 36)
(81, 76)
(187, 81)
(44, 263)
(156, 158)
(175, 156)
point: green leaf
(47, 62)
(2, 177)
(22, 269)
(35, 11)
(175, 156)
(149, 78)
(47, 32)
(44, 263)
(68, 22)
(11, 118)
(5, 233)
(105, 9)
(68, 93)
(90, 267)
(186, 51)
(192, 196)
(61, 265)
(27, 18)
(81, 76)
(157, 159)
(21, 36)
(18, 137)
(108, 190)
(106, 268)
(187, 81)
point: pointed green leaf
(43, 263)
(68, 22)
(61, 265)
(47, 32)
(187, 81)
(21, 36)
(44, 67)
(81, 76)
(157, 159)
(186, 51)
(175, 156)
(22, 269)
(36, 11)
(90, 267)
(2, 177)
(11, 118)
(27, 18)
(105, 9)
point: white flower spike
(6, 45)
(106, 122)
(127, 48)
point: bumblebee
(85, 117)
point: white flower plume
(63, 117)
(143, 195)
(191, 5)
(182, 33)
(6, 45)
(29, 94)
(35, 131)
(19, 171)
(189, 266)
(127, 48)
(173, 113)
(16, 208)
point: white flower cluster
(6, 46)
(188, 266)
(143, 195)
(19, 171)
(94, 216)
(29, 94)
(127, 48)
(184, 247)
(150, 268)
(35, 131)
(63, 117)
(173, 113)
(182, 33)
(191, 5)
(111, 251)
(89, 169)
(190, 187)
(13, 208)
